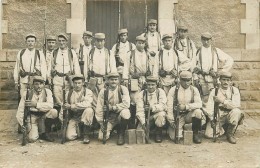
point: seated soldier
(40, 103)
(79, 104)
(185, 98)
(228, 101)
(153, 99)
(116, 109)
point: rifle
(26, 109)
(105, 115)
(215, 117)
(65, 112)
(148, 114)
(176, 111)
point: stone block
(235, 53)
(255, 65)
(187, 137)
(241, 85)
(245, 74)
(2, 55)
(11, 55)
(3, 74)
(241, 65)
(7, 85)
(249, 25)
(7, 66)
(140, 136)
(187, 127)
(254, 85)
(8, 95)
(253, 105)
(7, 105)
(251, 55)
(4, 26)
(130, 136)
(250, 95)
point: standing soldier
(115, 110)
(171, 62)
(83, 51)
(51, 43)
(64, 64)
(120, 50)
(228, 101)
(137, 67)
(41, 109)
(206, 70)
(184, 44)
(186, 99)
(101, 63)
(79, 104)
(153, 99)
(29, 62)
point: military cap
(51, 38)
(152, 21)
(206, 35)
(166, 36)
(151, 79)
(30, 35)
(63, 35)
(185, 75)
(115, 75)
(38, 79)
(182, 27)
(140, 38)
(225, 74)
(88, 33)
(77, 76)
(121, 31)
(100, 36)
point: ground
(167, 154)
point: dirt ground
(246, 153)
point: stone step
(8, 105)
(8, 96)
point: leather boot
(46, 136)
(230, 134)
(158, 135)
(131, 124)
(86, 130)
(121, 132)
(196, 127)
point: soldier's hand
(146, 107)
(182, 107)
(28, 103)
(50, 81)
(172, 124)
(66, 106)
(143, 127)
(16, 86)
(23, 129)
(213, 124)
(196, 70)
(196, 83)
(126, 83)
(212, 73)
(73, 107)
(33, 104)
(217, 99)
(174, 73)
(110, 107)
(152, 53)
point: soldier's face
(78, 84)
(62, 42)
(140, 45)
(38, 86)
(30, 42)
(51, 44)
(99, 43)
(206, 42)
(113, 82)
(225, 82)
(185, 83)
(182, 33)
(87, 40)
(152, 27)
(167, 42)
(151, 86)
(123, 37)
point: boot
(131, 124)
(196, 127)
(46, 136)
(158, 135)
(230, 134)
(86, 130)
(121, 132)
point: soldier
(121, 48)
(171, 62)
(206, 70)
(184, 44)
(228, 100)
(29, 62)
(79, 104)
(101, 63)
(51, 43)
(186, 99)
(156, 103)
(83, 50)
(41, 111)
(136, 68)
(64, 64)
(117, 97)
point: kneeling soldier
(185, 100)
(79, 104)
(153, 99)
(41, 109)
(112, 108)
(228, 101)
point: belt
(60, 74)
(224, 109)
(98, 75)
(37, 113)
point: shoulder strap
(145, 96)
(81, 52)
(55, 53)
(192, 94)
(70, 55)
(132, 56)
(158, 95)
(69, 96)
(21, 61)
(37, 55)
(120, 93)
(175, 100)
(91, 55)
(30, 94)
(213, 51)
(161, 59)
(44, 99)
(107, 60)
(130, 46)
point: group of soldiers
(126, 87)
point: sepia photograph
(130, 83)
